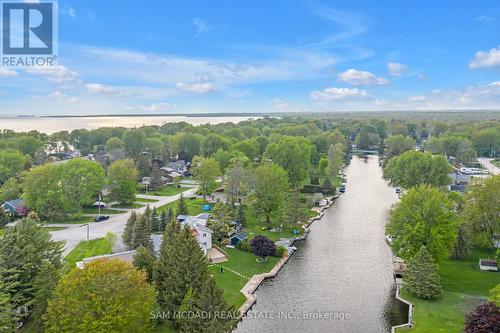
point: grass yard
(244, 263)
(195, 206)
(72, 220)
(464, 286)
(130, 206)
(496, 161)
(145, 200)
(94, 247)
(104, 211)
(253, 227)
(168, 190)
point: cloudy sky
(264, 56)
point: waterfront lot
(464, 286)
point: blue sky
(264, 56)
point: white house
(198, 225)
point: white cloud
(332, 94)
(99, 89)
(5, 72)
(494, 84)
(71, 12)
(361, 78)
(201, 26)
(484, 18)
(54, 73)
(59, 96)
(196, 87)
(396, 68)
(487, 59)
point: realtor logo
(29, 33)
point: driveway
(486, 163)
(116, 224)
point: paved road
(486, 163)
(116, 224)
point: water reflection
(344, 268)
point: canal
(340, 279)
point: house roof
(240, 236)
(16, 203)
(195, 222)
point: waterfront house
(15, 207)
(198, 225)
(179, 166)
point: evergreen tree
(163, 221)
(462, 243)
(181, 265)
(24, 249)
(421, 277)
(164, 274)
(43, 285)
(143, 260)
(240, 214)
(148, 212)
(8, 297)
(182, 206)
(4, 218)
(154, 221)
(128, 233)
(211, 299)
(156, 180)
(185, 322)
(142, 233)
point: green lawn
(107, 211)
(245, 263)
(195, 206)
(72, 220)
(84, 249)
(253, 227)
(464, 286)
(130, 206)
(168, 191)
(145, 200)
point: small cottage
(238, 238)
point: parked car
(101, 218)
(398, 189)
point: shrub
(484, 319)
(280, 252)
(244, 246)
(263, 247)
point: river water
(343, 270)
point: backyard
(464, 286)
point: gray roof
(240, 236)
(16, 203)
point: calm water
(51, 125)
(345, 266)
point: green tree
(205, 171)
(8, 315)
(294, 155)
(81, 180)
(495, 295)
(128, 233)
(222, 215)
(414, 167)
(322, 165)
(270, 189)
(143, 260)
(43, 286)
(481, 209)
(142, 233)
(367, 138)
(295, 209)
(154, 221)
(421, 277)
(29, 145)
(134, 141)
(398, 144)
(105, 296)
(181, 265)
(114, 143)
(25, 249)
(424, 216)
(336, 157)
(182, 208)
(186, 145)
(11, 162)
(11, 189)
(241, 215)
(156, 180)
(211, 143)
(122, 176)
